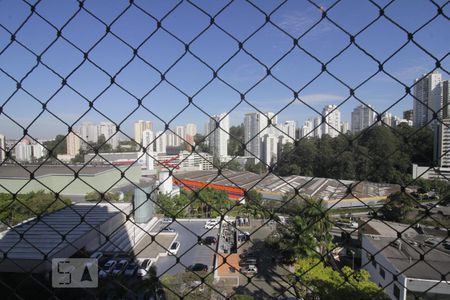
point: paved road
(190, 252)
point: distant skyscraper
(307, 129)
(38, 151)
(254, 128)
(408, 115)
(148, 142)
(139, 128)
(445, 88)
(108, 130)
(317, 126)
(73, 143)
(345, 127)
(88, 132)
(190, 131)
(269, 149)
(388, 119)
(170, 136)
(289, 128)
(219, 137)
(23, 151)
(161, 142)
(443, 145)
(2, 148)
(362, 117)
(427, 98)
(332, 123)
(180, 136)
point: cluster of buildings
(89, 132)
(25, 150)
(431, 109)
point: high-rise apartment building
(288, 130)
(170, 137)
(37, 151)
(362, 117)
(88, 132)
(219, 137)
(317, 126)
(427, 98)
(269, 149)
(345, 127)
(332, 124)
(307, 129)
(442, 149)
(161, 142)
(108, 130)
(23, 151)
(388, 119)
(2, 148)
(148, 142)
(180, 137)
(139, 128)
(73, 143)
(255, 124)
(445, 89)
(190, 130)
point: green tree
(308, 232)
(258, 168)
(236, 140)
(172, 206)
(318, 281)
(28, 206)
(56, 146)
(254, 204)
(201, 144)
(397, 206)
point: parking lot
(190, 252)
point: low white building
(415, 265)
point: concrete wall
(68, 185)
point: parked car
(120, 267)
(131, 269)
(212, 224)
(144, 267)
(107, 268)
(97, 255)
(173, 249)
(250, 269)
(209, 240)
(198, 268)
(166, 220)
(168, 229)
(431, 242)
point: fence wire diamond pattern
(329, 214)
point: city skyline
(190, 75)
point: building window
(396, 292)
(382, 273)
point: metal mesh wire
(109, 31)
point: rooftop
(405, 256)
(23, 172)
(325, 188)
(35, 238)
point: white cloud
(321, 98)
(298, 22)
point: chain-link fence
(341, 199)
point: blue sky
(215, 47)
